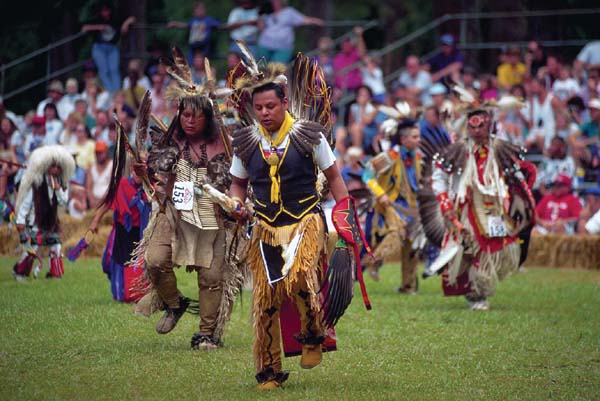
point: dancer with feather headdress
(393, 178)
(279, 152)
(43, 189)
(187, 228)
(475, 206)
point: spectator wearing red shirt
(349, 54)
(559, 210)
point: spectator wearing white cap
(55, 92)
(67, 103)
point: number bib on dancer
(496, 227)
(183, 195)
(202, 212)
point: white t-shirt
(564, 89)
(590, 54)
(247, 33)
(593, 225)
(322, 154)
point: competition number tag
(496, 227)
(183, 195)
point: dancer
(187, 229)
(43, 188)
(131, 214)
(279, 153)
(393, 178)
(483, 190)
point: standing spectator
(67, 103)
(54, 125)
(242, 21)
(351, 52)
(416, 81)
(276, 39)
(539, 114)
(200, 30)
(559, 210)
(565, 86)
(589, 219)
(95, 96)
(535, 58)
(448, 62)
(105, 51)
(55, 92)
(98, 175)
(372, 76)
(512, 71)
(362, 125)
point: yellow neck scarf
(281, 134)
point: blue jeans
(281, 56)
(106, 58)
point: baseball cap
(437, 89)
(563, 179)
(592, 191)
(56, 86)
(101, 146)
(594, 104)
(447, 39)
(38, 120)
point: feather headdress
(40, 161)
(399, 112)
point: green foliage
(67, 340)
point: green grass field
(67, 340)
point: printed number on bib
(183, 195)
(496, 227)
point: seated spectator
(68, 137)
(81, 107)
(431, 123)
(559, 210)
(372, 76)
(488, 89)
(361, 125)
(83, 147)
(134, 93)
(437, 94)
(95, 95)
(447, 63)
(67, 103)
(55, 93)
(135, 65)
(100, 131)
(565, 86)
(349, 79)
(556, 161)
(354, 156)
(512, 71)
(77, 204)
(54, 125)
(535, 58)
(37, 137)
(589, 220)
(586, 142)
(415, 80)
(98, 175)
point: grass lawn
(67, 340)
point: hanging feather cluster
(338, 285)
(119, 162)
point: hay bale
(72, 231)
(564, 251)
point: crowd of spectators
(558, 123)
